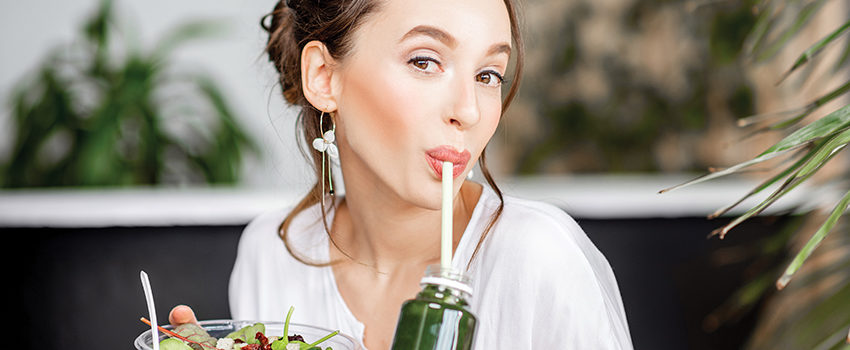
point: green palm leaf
(822, 127)
(730, 170)
(771, 181)
(815, 49)
(821, 322)
(798, 113)
(758, 35)
(802, 18)
(807, 250)
(818, 159)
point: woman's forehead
(471, 23)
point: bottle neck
(444, 295)
(445, 285)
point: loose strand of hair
(520, 56)
(283, 230)
(482, 163)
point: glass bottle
(439, 317)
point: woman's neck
(383, 231)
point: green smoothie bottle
(439, 317)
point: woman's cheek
(491, 114)
(375, 110)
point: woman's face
(421, 85)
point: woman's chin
(428, 196)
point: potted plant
(92, 115)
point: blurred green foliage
(620, 131)
(95, 116)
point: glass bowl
(220, 328)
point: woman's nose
(465, 112)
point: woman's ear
(316, 76)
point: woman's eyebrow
(499, 48)
(434, 32)
(450, 41)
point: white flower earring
(326, 142)
(326, 146)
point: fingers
(181, 314)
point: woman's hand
(181, 314)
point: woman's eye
(423, 63)
(490, 78)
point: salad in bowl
(246, 335)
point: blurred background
(145, 135)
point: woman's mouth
(437, 155)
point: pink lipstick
(437, 155)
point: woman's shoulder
(534, 237)
(539, 253)
(265, 229)
(542, 212)
(264, 263)
(268, 218)
(530, 224)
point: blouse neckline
(465, 240)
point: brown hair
(294, 23)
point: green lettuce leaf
(195, 333)
(248, 333)
(173, 344)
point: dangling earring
(325, 144)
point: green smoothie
(439, 317)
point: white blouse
(538, 281)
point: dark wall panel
(80, 288)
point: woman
(406, 85)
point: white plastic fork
(146, 285)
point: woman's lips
(436, 156)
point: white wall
(30, 28)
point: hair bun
(283, 50)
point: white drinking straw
(446, 238)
